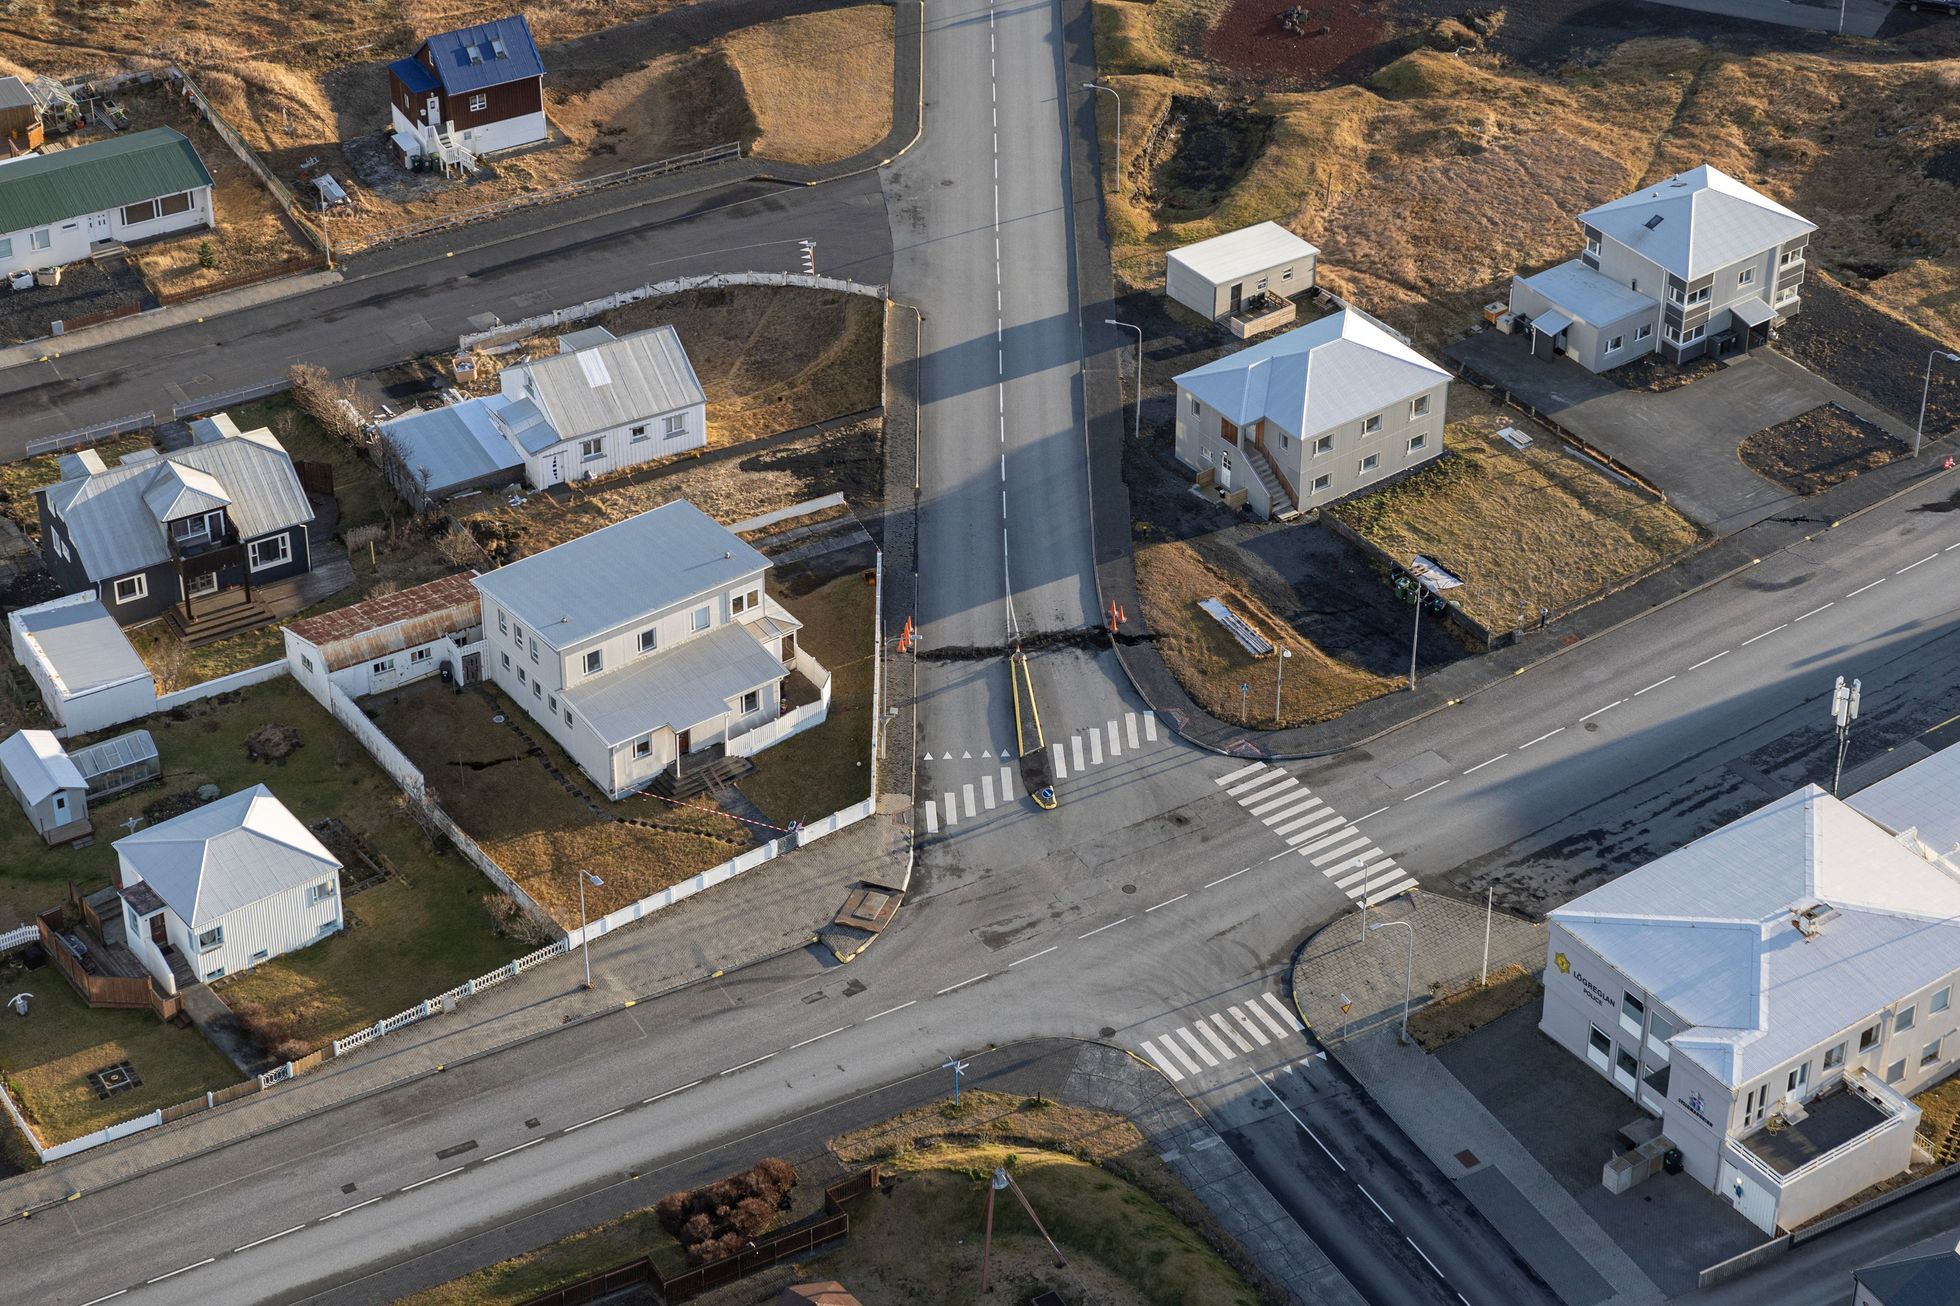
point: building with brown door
(469, 92)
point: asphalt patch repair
(1818, 449)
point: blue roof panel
(414, 75)
(459, 73)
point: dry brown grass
(1525, 528)
(1173, 577)
(1448, 1018)
(821, 84)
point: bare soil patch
(1252, 35)
(1655, 374)
(1872, 353)
(1448, 1018)
(1202, 148)
(1815, 450)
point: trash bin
(1671, 1160)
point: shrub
(333, 404)
(291, 1049)
(698, 1228)
(671, 1211)
(207, 258)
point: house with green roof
(57, 208)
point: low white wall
(222, 685)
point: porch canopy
(1752, 310)
(1550, 323)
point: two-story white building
(1776, 990)
(643, 643)
(1698, 263)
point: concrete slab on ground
(1555, 1259)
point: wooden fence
(117, 991)
(801, 1240)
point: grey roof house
(185, 532)
(1925, 1275)
(646, 642)
(1699, 263)
(58, 207)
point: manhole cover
(1467, 1159)
(497, 719)
(1129, 888)
(110, 1080)
(1106, 1032)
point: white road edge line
(1910, 565)
(345, 1210)
(1359, 819)
(1420, 792)
(1377, 1205)
(746, 1064)
(1166, 902)
(574, 1128)
(268, 1238)
(1656, 685)
(1765, 635)
(1235, 874)
(1608, 708)
(1425, 1258)
(1862, 588)
(1304, 1128)
(1705, 661)
(1043, 953)
(648, 1101)
(1100, 928)
(1481, 765)
(174, 1273)
(409, 1188)
(962, 984)
(111, 1297)
(826, 1034)
(1542, 738)
(889, 1010)
(498, 1156)
(1814, 611)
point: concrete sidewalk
(776, 908)
(162, 319)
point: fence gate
(314, 477)
(472, 668)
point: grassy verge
(820, 84)
(1446, 1019)
(1173, 578)
(1525, 528)
(520, 1278)
(499, 793)
(47, 1057)
(823, 770)
(1939, 1122)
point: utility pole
(1490, 905)
(1844, 710)
(1136, 430)
(1245, 688)
(584, 941)
(1111, 92)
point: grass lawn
(1939, 1123)
(1317, 686)
(808, 776)
(365, 497)
(19, 480)
(820, 85)
(47, 1057)
(568, 1260)
(1525, 528)
(538, 833)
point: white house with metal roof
(1716, 262)
(1217, 277)
(642, 643)
(89, 675)
(1775, 991)
(584, 412)
(1308, 417)
(58, 207)
(47, 784)
(224, 887)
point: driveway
(1683, 440)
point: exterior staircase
(1276, 495)
(708, 770)
(452, 152)
(218, 616)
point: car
(1934, 6)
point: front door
(1224, 469)
(433, 113)
(472, 668)
(98, 227)
(61, 807)
(159, 935)
(1238, 295)
(552, 473)
(199, 586)
(683, 742)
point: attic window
(476, 54)
(594, 368)
(497, 47)
(1653, 222)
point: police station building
(1775, 990)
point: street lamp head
(1951, 358)
(1110, 321)
(592, 879)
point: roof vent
(1653, 222)
(726, 555)
(1809, 920)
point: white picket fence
(18, 938)
(446, 1001)
(222, 685)
(793, 722)
(512, 331)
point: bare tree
(335, 405)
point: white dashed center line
(1765, 635)
(826, 1034)
(1481, 765)
(1043, 953)
(1910, 565)
(1814, 611)
(1542, 738)
(1167, 902)
(1100, 928)
(889, 1010)
(1705, 661)
(1862, 588)
(1656, 685)
(1596, 711)
(962, 984)
(1420, 792)
(268, 1238)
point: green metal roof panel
(106, 174)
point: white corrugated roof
(1707, 220)
(38, 764)
(115, 528)
(229, 854)
(609, 384)
(1587, 295)
(455, 445)
(1707, 930)
(620, 573)
(1243, 252)
(1924, 798)
(80, 646)
(678, 687)
(1316, 377)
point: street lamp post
(585, 943)
(1111, 92)
(1136, 432)
(1245, 688)
(1408, 975)
(1278, 680)
(1925, 393)
(1844, 710)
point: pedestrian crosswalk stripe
(966, 792)
(1115, 747)
(1322, 840)
(1382, 881)
(1217, 1042)
(952, 809)
(1266, 1017)
(1170, 1045)
(1392, 890)
(1130, 726)
(1204, 1054)
(1150, 727)
(1285, 1014)
(1341, 849)
(1301, 800)
(1095, 748)
(1006, 782)
(1271, 798)
(1075, 750)
(1313, 829)
(1218, 1019)
(1161, 1061)
(1318, 827)
(1259, 781)
(1246, 1024)
(987, 792)
(1315, 814)
(932, 818)
(1241, 773)
(1061, 767)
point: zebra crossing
(1087, 747)
(1314, 830)
(1220, 1036)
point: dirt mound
(1272, 36)
(270, 743)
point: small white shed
(1216, 277)
(46, 783)
(89, 674)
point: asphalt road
(410, 302)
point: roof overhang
(1752, 310)
(1550, 323)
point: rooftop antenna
(1002, 1180)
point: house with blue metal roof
(467, 93)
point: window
(1418, 444)
(1674, 294)
(1868, 1040)
(1930, 1053)
(170, 205)
(551, 704)
(1286, 275)
(1644, 331)
(1633, 1014)
(261, 955)
(211, 938)
(1599, 1048)
(383, 667)
(1699, 296)
(1283, 442)
(1372, 425)
(1746, 277)
(537, 689)
(675, 424)
(746, 602)
(131, 588)
(520, 676)
(649, 640)
(1941, 1000)
(638, 433)
(321, 892)
(1896, 1071)
(270, 552)
(1799, 1079)
(1194, 405)
(1263, 282)
(751, 701)
(1628, 1064)
(205, 525)
(517, 635)
(420, 655)
(1787, 295)
(595, 662)
(217, 972)
(133, 214)
(1754, 1114)
(305, 660)
(590, 450)
(1420, 407)
(568, 716)
(506, 661)
(1615, 344)
(1788, 257)
(478, 103)
(1371, 462)
(1902, 1020)
(1325, 444)
(1321, 482)
(533, 646)
(6, 246)
(1835, 1057)
(699, 620)
(40, 239)
(503, 624)
(643, 747)
(1592, 246)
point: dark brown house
(469, 92)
